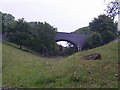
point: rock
(92, 56)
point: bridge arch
(68, 42)
(78, 40)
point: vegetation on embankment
(25, 69)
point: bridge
(78, 40)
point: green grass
(24, 69)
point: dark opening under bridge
(78, 40)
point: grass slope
(24, 69)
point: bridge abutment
(79, 47)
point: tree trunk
(21, 47)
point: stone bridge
(78, 40)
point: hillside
(25, 69)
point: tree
(6, 20)
(18, 32)
(42, 39)
(94, 40)
(105, 26)
(113, 8)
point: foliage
(100, 31)
(84, 30)
(112, 9)
(71, 49)
(42, 38)
(18, 32)
(66, 51)
(6, 20)
(105, 26)
(94, 40)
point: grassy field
(24, 69)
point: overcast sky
(65, 15)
